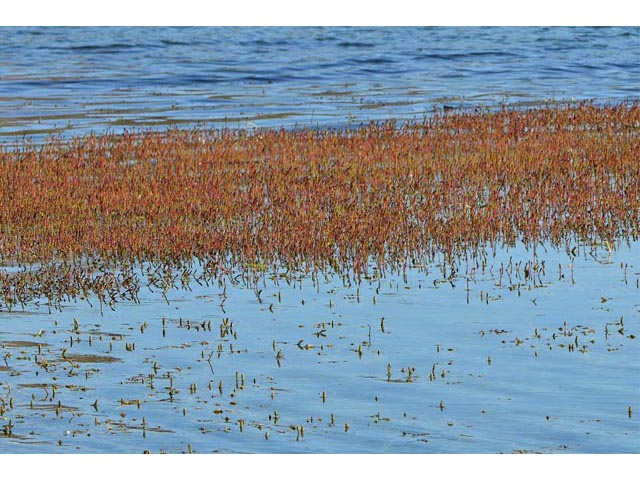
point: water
(478, 367)
(480, 370)
(76, 80)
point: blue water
(75, 80)
(504, 377)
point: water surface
(75, 80)
(483, 363)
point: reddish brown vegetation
(334, 200)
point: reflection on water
(74, 80)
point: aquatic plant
(101, 215)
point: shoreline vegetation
(102, 216)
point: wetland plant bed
(467, 283)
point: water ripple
(52, 73)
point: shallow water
(510, 383)
(75, 80)
(476, 367)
